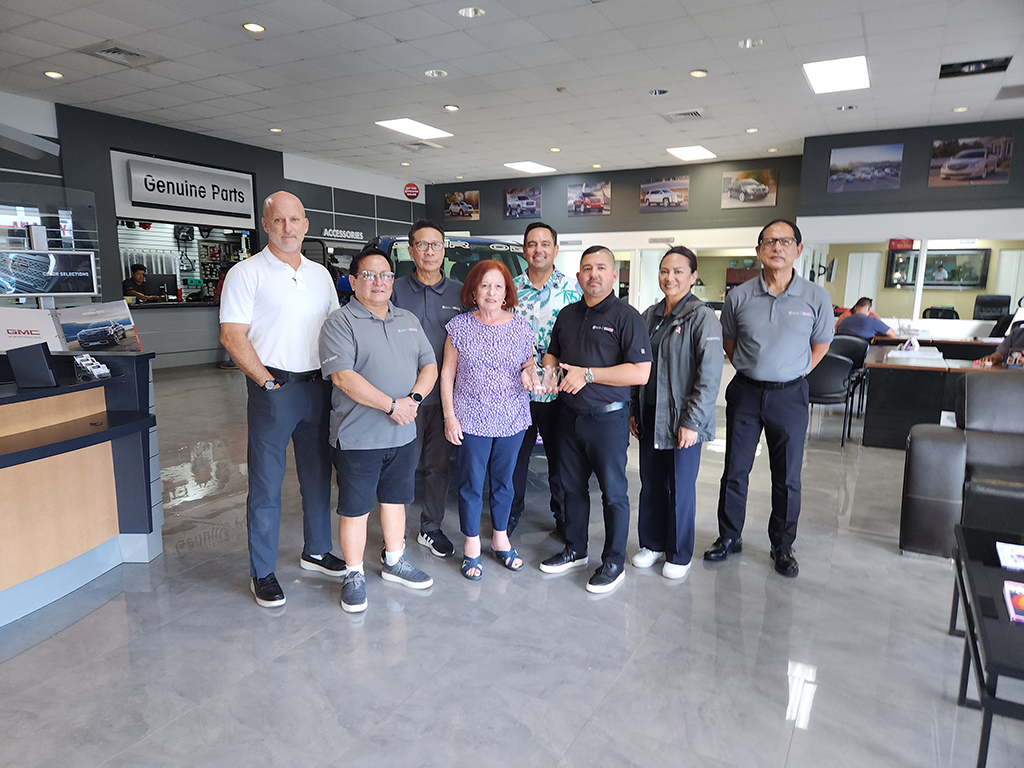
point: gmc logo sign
(21, 332)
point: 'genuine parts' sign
(189, 187)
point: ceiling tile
(101, 25)
(55, 34)
(141, 78)
(23, 46)
(176, 71)
(584, 20)
(303, 14)
(410, 24)
(259, 54)
(143, 13)
(11, 19)
(540, 54)
(162, 45)
(508, 34)
(355, 36)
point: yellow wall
(899, 302)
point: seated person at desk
(861, 322)
(135, 284)
(1011, 345)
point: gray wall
(914, 193)
(705, 211)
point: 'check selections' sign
(189, 188)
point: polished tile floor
(173, 664)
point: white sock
(392, 558)
(356, 567)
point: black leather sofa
(974, 472)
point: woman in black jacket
(673, 413)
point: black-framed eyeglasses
(785, 242)
(370, 276)
(424, 246)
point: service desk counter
(80, 480)
(179, 332)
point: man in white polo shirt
(272, 307)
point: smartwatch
(269, 384)
(588, 376)
(416, 397)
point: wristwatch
(588, 376)
(393, 404)
(269, 384)
(416, 397)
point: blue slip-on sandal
(468, 564)
(508, 557)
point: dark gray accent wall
(18, 169)
(704, 210)
(914, 194)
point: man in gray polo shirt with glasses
(381, 364)
(775, 329)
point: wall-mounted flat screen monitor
(959, 269)
(48, 273)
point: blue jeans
(474, 456)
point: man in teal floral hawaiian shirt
(543, 291)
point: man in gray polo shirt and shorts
(775, 329)
(381, 363)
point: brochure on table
(106, 327)
(1010, 555)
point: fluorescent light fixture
(254, 27)
(696, 152)
(849, 74)
(413, 128)
(530, 167)
(53, 75)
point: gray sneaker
(404, 572)
(353, 592)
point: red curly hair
(476, 277)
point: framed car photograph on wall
(462, 205)
(969, 162)
(591, 198)
(665, 194)
(522, 203)
(749, 189)
(865, 169)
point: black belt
(768, 384)
(285, 376)
(610, 408)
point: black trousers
(595, 445)
(782, 414)
(545, 420)
(436, 451)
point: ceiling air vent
(683, 115)
(419, 146)
(980, 67)
(120, 54)
(1010, 92)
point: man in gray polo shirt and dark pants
(434, 298)
(380, 363)
(775, 329)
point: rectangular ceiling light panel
(530, 167)
(696, 152)
(838, 75)
(414, 128)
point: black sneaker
(353, 593)
(438, 544)
(606, 578)
(328, 564)
(267, 591)
(563, 561)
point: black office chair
(941, 313)
(991, 306)
(856, 349)
(829, 384)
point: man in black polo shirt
(602, 346)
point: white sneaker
(674, 571)
(645, 558)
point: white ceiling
(325, 70)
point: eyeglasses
(370, 276)
(785, 242)
(424, 246)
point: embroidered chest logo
(604, 328)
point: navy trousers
(595, 445)
(668, 496)
(544, 417)
(436, 452)
(475, 456)
(298, 412)
(782, 414)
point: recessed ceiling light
(54, 75)
(696, 152)
(848, 74)
(436, 73)
(750, 42)
(451, 107)
(275, 130)
(472, 13)
(404, 163)
(751, 130)
(698, 73)
(846, 108)
(254, 27)
(458, 177)
(959, 109)
(773, 149)
(596, 165)
(530, 167)
(413, 128)
(658, 92)
(555, 149)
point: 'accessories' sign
(343, 234)
(189, 188)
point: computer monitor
(162, 285)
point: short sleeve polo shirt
(862, 326)
(283, 307)
(387, 353)
(773, 334)
(607, 334)
(434, 305)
